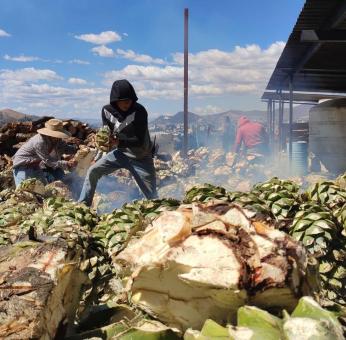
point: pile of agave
(315, 217)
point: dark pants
(142, 170)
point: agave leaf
(314, 230)
(326, 267)
(308, 308)
(301, 225)
(263, 324)
(340, 273)
(325, 224)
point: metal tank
(299, 158)
(327, 134)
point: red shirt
(250, 133)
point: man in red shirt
(253, 135)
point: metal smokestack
(186, 80)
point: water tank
(299, 158)
(327, 134)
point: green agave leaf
(340, 273)
(301, 225)
(326, 267)
(214, 330)
(307, 328)
(314, 230)
(263, 324)
(325, 224)
(309, 308)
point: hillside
(301, 113)
(8, 116)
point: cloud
(4, 34)
(29, 74)
(26, 59)
(21, 58)
(48, 99)
(208, 109)
(239, 58)
(103, 51)
(100, 39)
(125, 34)
(147, 73)
(77, 81)
(79, 61)
(41, 91)
(213, 73)
(140, 58)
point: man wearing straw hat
(40, 156)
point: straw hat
(54, 128)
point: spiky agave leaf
(340, 214)
(327, 193)
(152, 208)
(204, 193)
(308, 321)
(15, 207)
(33, 185)
(115, 229)
(251, 201)
(316, 227)
(341, 181)
(281, 196)
(275, 184)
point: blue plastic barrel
(299, 158)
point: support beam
(281, 118)
(186, 80)
(270, 121)
(273, 123)
(290, 121)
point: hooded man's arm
(105, 120)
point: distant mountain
(301, 113)
(8, 116)
(176, 118)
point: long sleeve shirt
(131, 128)
(251, 134)
(41, 149)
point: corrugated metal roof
(315, 66)
(305, 97)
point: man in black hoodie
(128, 123)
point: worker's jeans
(45, 176)
(142, 170)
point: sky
(60, 57)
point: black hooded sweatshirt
(134, 138)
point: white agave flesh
(188, 266)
